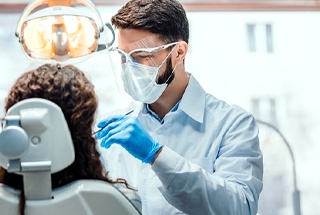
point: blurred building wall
(265, 61)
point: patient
(69, 88)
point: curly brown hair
(69, 88)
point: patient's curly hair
(70, 89)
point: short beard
(167, 76)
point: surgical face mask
(140, 80)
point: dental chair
(35, 143)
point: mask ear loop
(167, 56)
(171, 74)
(166, 82)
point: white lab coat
(211, 163)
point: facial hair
(167, 76)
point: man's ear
(180, 52)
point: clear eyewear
(141, 55)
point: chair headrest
(48, 135)
(35, 139)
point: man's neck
(162, 107)
(170, 96)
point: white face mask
(140, 81)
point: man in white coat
(185, 151)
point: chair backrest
(82, 197)
(36, 142)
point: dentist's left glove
(128, 132)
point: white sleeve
(233, 186)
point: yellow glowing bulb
(87, 37)
(60, 37)
(71, 23)
(33, 37)
(60, 43)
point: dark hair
(69, 88)
(166, 18)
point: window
(265, 109)
(251, 37)
(260, 38)
(269, 38)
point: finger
(117, 135)
(109, 120)
(115, 127)
(105, 143)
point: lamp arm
(288, 146)
(296, 193)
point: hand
(128, 132)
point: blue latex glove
(128, 132)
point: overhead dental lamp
(59, 31)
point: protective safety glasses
(144, 56)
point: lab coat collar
(193, 100)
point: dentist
(199, 154)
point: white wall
(220, 60)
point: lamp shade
(59, 33)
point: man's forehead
(146, 42)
